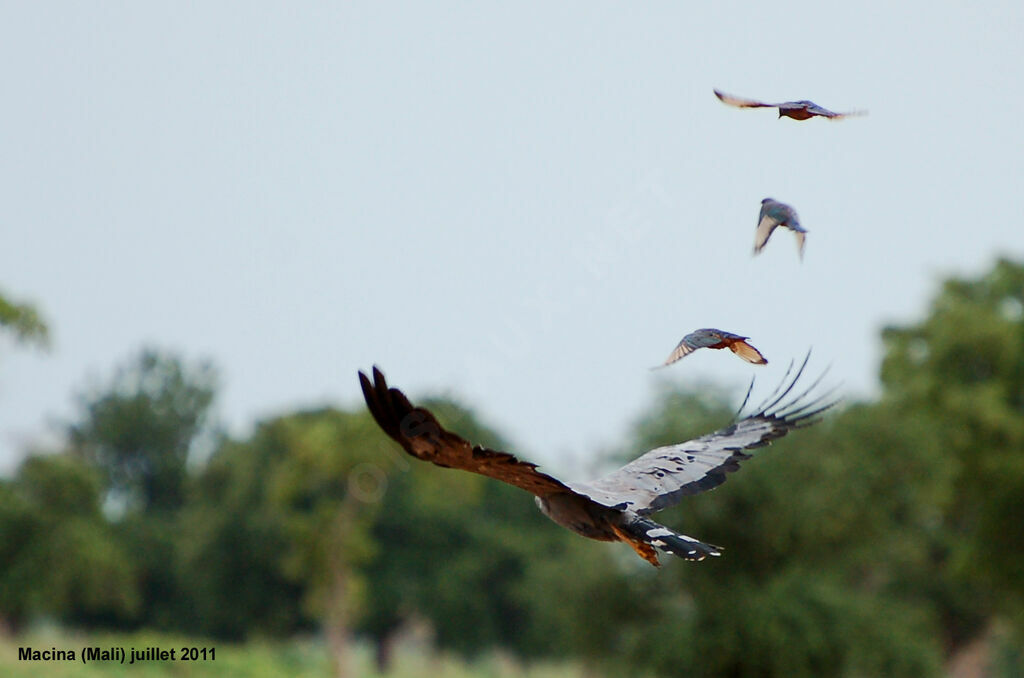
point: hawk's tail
(672, 542)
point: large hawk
(616, 507)
(798, 110)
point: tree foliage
(880, 542)
(24, 322)
(817, 533)
(140, 428)
(58, 555)
(962, 370)
(454, 548)
(230, 557)
(137, 433)
(291, 509)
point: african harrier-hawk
(615, 507)
(773, 214)
(708, 337)
(798, 110)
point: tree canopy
(882, 541)
(140, 428)
(25, 322)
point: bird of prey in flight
(798, 110)
(775, 213)
(711, 338)
(617, 506)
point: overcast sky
(525, 206)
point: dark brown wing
(420, 434)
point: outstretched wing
(746, 350)
(742, 103)
(773, 214)
(765, 226)
(801, 237)
(682, 349)
(420, 434)
(690, 343)
(815, 109)
(663, 476)
(712, 338)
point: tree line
(884, 541)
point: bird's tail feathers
(670, 541)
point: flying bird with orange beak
(798, 110)
(711, 338)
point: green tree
(24, 322)
(609, 603)
(319, 516)
(138, 431)
(230, 558)
(822, 531)
(962, 369)
(589, 601)
(454, 548)
(141, 427)
(58, 555)
(18, 519)
(295, 503)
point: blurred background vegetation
(886, 541)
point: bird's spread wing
(742, 103)
(747, 351)
(764, 230)
(663, 476)
(683, 349)
(831, 115)
(420, 434)
(821, 110)
(707, 337)
(712, 338)
(801, 236)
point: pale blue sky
(525, 206)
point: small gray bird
(711, 338)
(775, 213)
(798, 110)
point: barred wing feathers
(663, 476)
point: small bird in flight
(798, 110)
(775, 213)
(711, 338)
